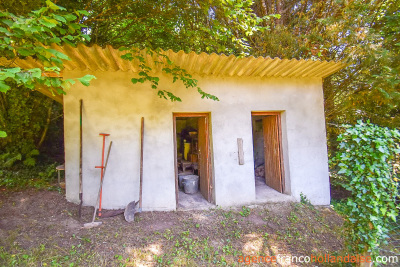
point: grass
(76, 255)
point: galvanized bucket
(182, 176)
(191, 184)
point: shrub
(366, 158)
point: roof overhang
(96, 58)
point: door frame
(193, 115)
(279, 115)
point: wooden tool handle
(141, 163)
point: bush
(20, 177)
(33, 123)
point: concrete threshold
(193, 202)
(264, 195)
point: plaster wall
(112, 104)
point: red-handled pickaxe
(102, 167)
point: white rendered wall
(112, 104)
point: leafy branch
(32, 36)
(167, 67)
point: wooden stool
(60, 168)
(185, 164)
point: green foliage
(7, 160)
(365, 159)
(205, 26)
(21, 7)
(370, 87)
(305, 201)
(30, 160)
(32, 36)
(340, 206)
(42, 176)
(245, 211)
(365, 34)
(202, 26)
(25, 115)
(167, 67)
(213, 26)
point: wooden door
(272, 153)
(204, 158)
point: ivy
(366, 157)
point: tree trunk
(46, 127)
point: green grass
(46, 256)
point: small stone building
(270, 112)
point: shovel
(93, 223)
(132, 208)
(130, 211)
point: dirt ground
(40, 228)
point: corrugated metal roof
(109, 59)
(96, 58)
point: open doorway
(192, 160)
(268, 158)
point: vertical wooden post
(141, 163)
(80, 161)
(175, 164)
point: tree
(31, 36)
(132, 26)
(365, 34)
(200, 26)
(28, 117)
(212, 26)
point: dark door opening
(267, 149)
(192, 157)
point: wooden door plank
(272, 154)
(176, 165)
(203, 157)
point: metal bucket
(182, 176)
(191, 184)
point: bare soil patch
(40, 228)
